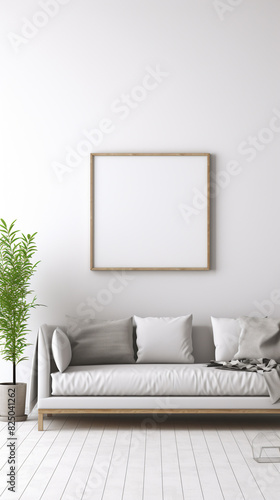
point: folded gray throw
(267, 367)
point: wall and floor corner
(142, 76)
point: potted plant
(16, 302)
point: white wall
(222, 87)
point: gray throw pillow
(102, 342)
(259, 338)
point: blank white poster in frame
(150, 211)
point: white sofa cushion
(164, 340)
(61, 349)
(156, 380)
(226, 332)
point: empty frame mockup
(150, 211)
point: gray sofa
(139, 388)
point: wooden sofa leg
(40, 421)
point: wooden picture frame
(150, 211)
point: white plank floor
(140, 458)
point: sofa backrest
(203, 350)
(203, 345)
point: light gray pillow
(226, 333)
(259, 338)
(102, 342)
(61, 349)
(164, 340)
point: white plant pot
(10, 395)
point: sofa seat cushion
(156, 380)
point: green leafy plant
(16, 270)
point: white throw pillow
(226, 333)
(61, 349)
(164, 340)
(259, 338)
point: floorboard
(97, 478)
(208, 475)
(140, 458)
(118, 466)
(152, 485)
(266, 476)
(78, 478)
(171, 474)
(134, 479)
(240, 468)
(189, 473)
(225, 475)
